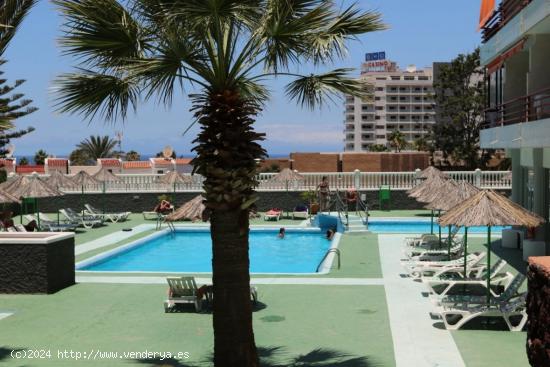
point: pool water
(408, 226)
(191, 252)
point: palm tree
(421, 144)
(397, 140)
(12, 105)
(96, 147)
(224, 50)
(40, 157)
(132, 155)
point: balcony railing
(532, 107)
(134, 183)
(505, 12)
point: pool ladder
(330, 251)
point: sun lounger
(273, 214)
(80, 220)
(512, 290)
(475, 269)
(113, 217)
(440, 288)
(182, 290)
(435, 255)
(300, 212)
(430, 268)
(513, 312)
(48, 225)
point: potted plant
(311, 198)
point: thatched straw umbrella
(487, 208)
(59, 180)
(432, 171)
(191, 210)
(285, 176)
(33, 187)
(423, 191)
(456, 194)
(172, 178)
(7, 198)
(83, 179)
(104, 176)
(440, 189)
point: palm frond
(328, 43)
(89, 93)
(12, 13)
(314, 90)
(101, 32)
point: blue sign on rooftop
(375, 56)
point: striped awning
(486, 11)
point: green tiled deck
(294, 321)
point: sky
(420, 32)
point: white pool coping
(324, 267)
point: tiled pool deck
(337, 319)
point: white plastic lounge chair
(20, 228)
(85, 221)
(441, 288)
(48, 225)
(512, 311)
(182, 290)
(475, 269)
(11, 229)
(430, 268)
(151, 215)
(113, 217)
(511, 291)
(301, 214)
(272, 215)
(436, 255)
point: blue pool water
(401, 226)
(191, 251)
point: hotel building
(515, 52)
(402, 100)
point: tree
(460, 100)
(132, 155)
(378, 148)
(226, 49)
(40, 157)
(97, 147)
(161, 155)
(12, 105)
(421, 144)
(397, 140)
(78, 157)
(24, 161)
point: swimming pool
(190, 251)
(418, 226)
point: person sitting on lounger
(164, 207)
(281, 234)
(31, 226)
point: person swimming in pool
(281, 234)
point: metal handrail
(340, 206)
(330, 250)
(365, 209)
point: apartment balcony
(520, 122)
(506, 11)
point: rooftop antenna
(119, 136)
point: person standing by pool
(282, 232)
(323, 192)
(330, 234)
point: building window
(377, 98)
(381, 78)
(379, 126)
(379, 108)
(402, 98)
(402, 107)
(409, 77)
(377, 117)
(395, 78)
(403, 89)
(380, 136)
(422, 77)
(379, 89)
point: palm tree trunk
(233, 334)
(226, 156)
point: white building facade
(515, 52)
(402, 100)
